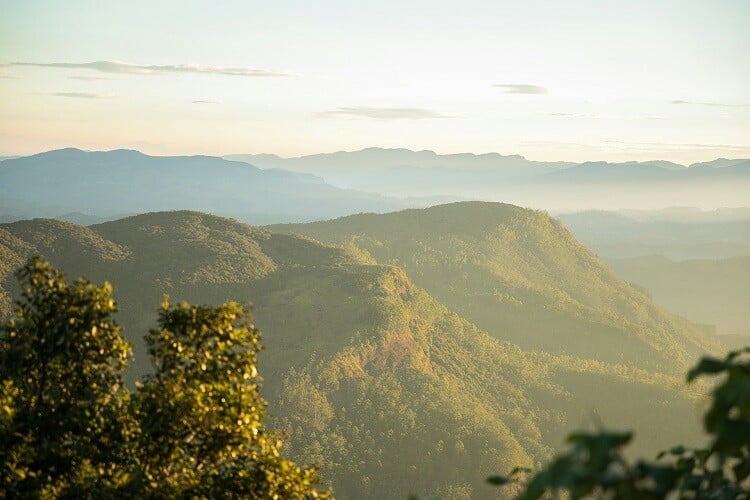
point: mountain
(660, 163)
(606, 172)
(515, 179)
(710, 291)
(653, 171)
(678, 234)
(721, 163)
(381, 158)
(113, 183)
(402, 172)
(386, 388)
(520, 275)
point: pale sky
(551, 80)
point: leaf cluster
(69, 428)
(596, 466)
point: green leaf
(498, 480)
(707, 366)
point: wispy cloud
(154, 69)
(206, 101)
(88, 78)
(521, 88)
(603, 117)
(376, 113)
(79, 95)
(713, 104)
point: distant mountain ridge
(720, 163)
(375, 157)
(517, 180)
(378, 158)
(111, 183)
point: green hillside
(384, 387)
(520, 275)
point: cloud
(88, 78)
(521, 88)
(206, 101)
(78, 95)
(141, 69)
(713, 104)
(384, 113)
(604, 117)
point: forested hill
(388, 390)
(521, 275)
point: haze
(474, 239)
(573, 81)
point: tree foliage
(63, 398)
(193, 429)
(595, 465)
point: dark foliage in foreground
(596, 466)
(193, 429)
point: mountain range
(412, 352)
(77, 185)
(379, 159)
(116, 183)
(515, 179)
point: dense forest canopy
(386, 387)
(193, 429)
(521, 275)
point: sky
(576, 80)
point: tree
(193, 429)
(62, 393)
(596, 466)
(201, 413)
